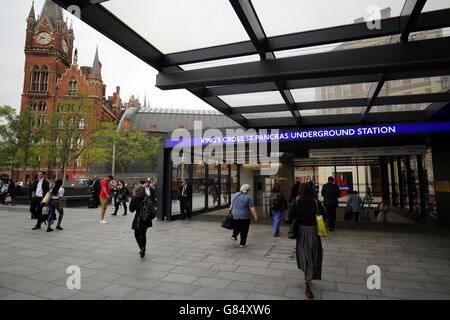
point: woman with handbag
(55, 203)
(120, 198)
(308, 244)
(140, 229)
(242, 208)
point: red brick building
(52, 75)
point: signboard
(299, 135)
(442, 186)
(362, 152)
(343, 187)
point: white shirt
(147, 191)
(60, 193)
(39, 191)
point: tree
(69, 132)
(21, 138)
(122, 147)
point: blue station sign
(298, 135)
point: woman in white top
(56, 204)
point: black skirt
(309, 252)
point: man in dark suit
(331, 194)
(95, 190)
(39, 190)
(185, 198)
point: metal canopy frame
(398, 59)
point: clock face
(64, 46)
(44, 38)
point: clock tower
(48, 54)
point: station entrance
(374, 168)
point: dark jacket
(330, 194)
(305, 212)
(12, 189)
(188, 191)
(45, 186)
(294, 192)
(122, 194)
(96, 187)
(135, 205)
(282, 203)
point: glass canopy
(263, 61)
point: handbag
(47, 197)
(228, 222)
(321, 228)
(8, 199)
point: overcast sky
(171, 25)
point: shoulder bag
(321, 228)
(47, 197)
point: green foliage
(69, 133)
(123, 147)
(20, 139)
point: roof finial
(75, 57)
(31, 14)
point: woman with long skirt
(308, 245)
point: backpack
(275, 201)
(148, 211)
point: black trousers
(141, 238)
(185, 207)
(331, 213)
(117, 205)
(241, 226)
(36, 209)
(356, 215)
(95, 199)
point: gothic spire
(50, 10)
(31, 14)
(96, 64)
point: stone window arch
(44, 79)
(35, 79)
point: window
(80, 143)
(34, 106)
(44, 79)
(330, 92)
(41, 121)
(346, 90)
(81, 124)
(42, 106)
(60, 108)
(61, 123)
(396, 83)
(71, 143)
(73, 87)
(35, 79)
(78, 161)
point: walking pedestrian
(277, 204)
(330, 194)
(39, 189)
(185, 198)
(215, 191)
(383, 209)
(294, 191)
(354, 203)
(12, 191)
(308, 244)
(104, 197)
(121, 198)
(138, 226)
(55, 203)
(242, 207)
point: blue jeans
(52, 206)
(276, 221)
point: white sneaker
(243, 245)
(103, 221)
(233, 240)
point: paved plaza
(195, 259)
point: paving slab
(190, 260)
